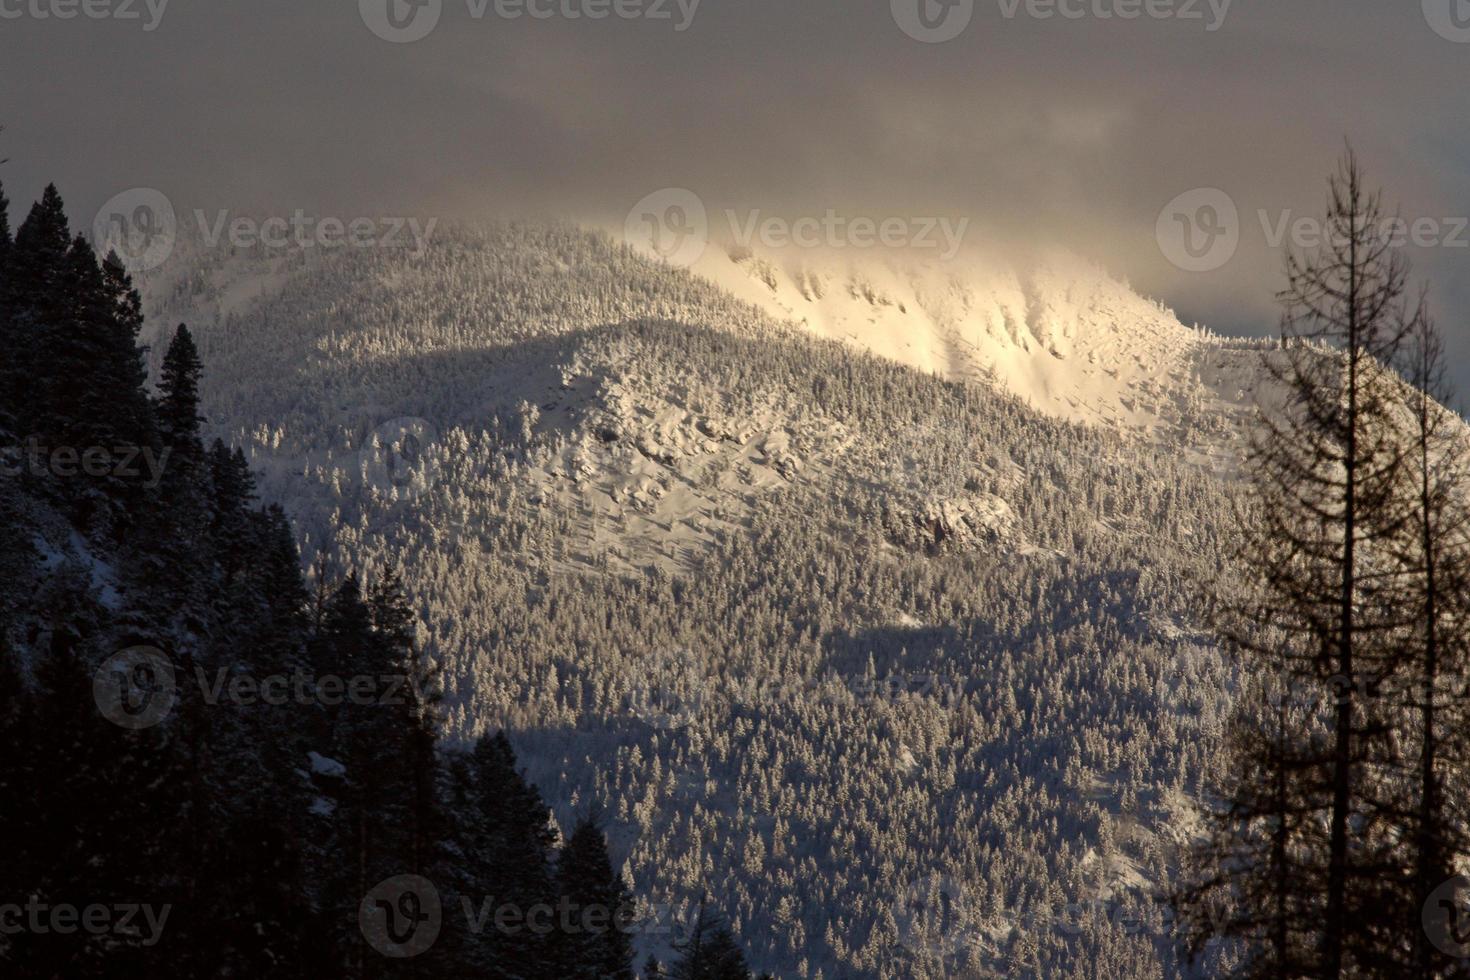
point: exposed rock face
(955, 523)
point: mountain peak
(1058, 332)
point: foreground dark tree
(1329, 474)
(601, 907)
(709, 952)
(1305, 867)
(1435, 559)
(1257, 888)
(296, 761)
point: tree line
(1336, 831)
(216, 766)
(1081, 717)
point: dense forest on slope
(824, 634)
(209, 769)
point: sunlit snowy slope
(832, 583)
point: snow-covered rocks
(941, 524)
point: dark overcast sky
(1065, 130)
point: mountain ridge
(787, 607)
(1061, 334)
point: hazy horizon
(1063, 123)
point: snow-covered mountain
(837, 585)
(1056, 331)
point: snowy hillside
(1058, 333)
(794, 612)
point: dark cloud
(1071, 130)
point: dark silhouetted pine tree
(709, 952)
(1327, 832)
(1435, 558)
(506, 845)
(597, 944)
(260, 826)
(37, 298)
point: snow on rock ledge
(955, 523)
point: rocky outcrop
(954, 523)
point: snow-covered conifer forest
(801, 650)
(907, 629)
